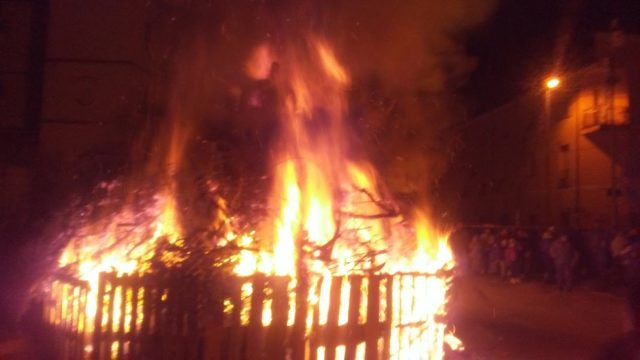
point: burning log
(388, 210)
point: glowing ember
(329, 216)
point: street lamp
(551, 83)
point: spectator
(511, 260)
(503, 241)
(630, 259)
(618, 246)
(581, 249)
(527, 245)
(564, 258)
(476, 255)
(598, 250)
(546, 261)
(494, 255)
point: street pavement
(531, 320)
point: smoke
(409, 45)
(405, 58)
(408, 59)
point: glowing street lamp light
(552, 83)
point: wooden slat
(123, 285)
(191, 322)
(133, 329)
(53, 317)
(179, 317)
(58, 304)
(67, 321)
(235, 343)
(354, 311)
(77, 311)
(145, 328)
(160, 330)
(373, 313)
(110, 337)
(61, 321)
(151, 312)
(386, 350)
(400, 305)
(82, 320)
(58, 345)
(276, 340)
(297, 339)
(213, 336)
(97, 327)
(169, 327)
(315, 325)
(255, 332)
(182, 312)
(331, 327)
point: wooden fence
(255, 317)
(65, 317)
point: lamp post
(551, 83)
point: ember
(333, 271)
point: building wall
(554, 158)
(16, 18)
(79, 79)
(596, 155)
(73, 78)
(499, 171)
(94, 81)
(21, 27)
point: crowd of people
(563, 256)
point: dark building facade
(77, 80)
(567, 156)
(22, 37)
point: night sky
(524, 40)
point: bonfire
(331, 269)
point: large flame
(328, 214)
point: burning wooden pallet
(253, 317)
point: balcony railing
(594, 118)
